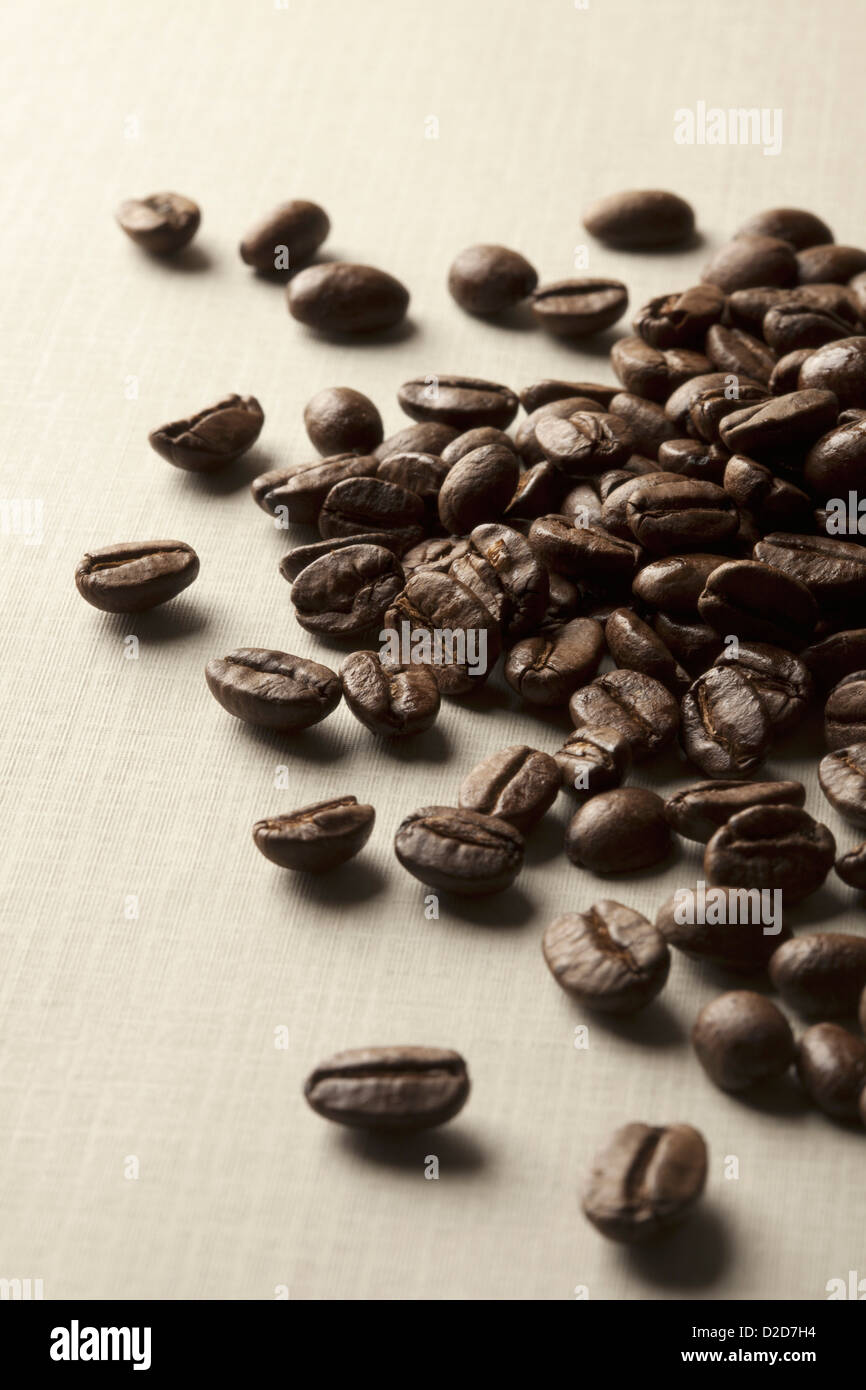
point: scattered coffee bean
(342, 421)
(478, 488)
(490, 279)
(636, 706)
(725, 728)
(696, 812)
(842, 776)
(547, 669)
(459, 851)
(830, 264)
(390, 703)
(835, 463)
(794, 225)
(796, 323)
(464, 402)
(680, 320)
(273, 689)
(641, 218)
(435, 553)
(338, 297)
(734, 351)
(162, 223)
(316, 838)
(578, 308)
(742, 1039)
(782, 681)
(831, 1064)
(775, 847)
(296, 494)
(634, 645)
(838, 368)
(836, 656)
(211, 438)
(822, 976)
(694, 644)
(346, 593)
(389, 1088)
(422, 474)
(720, 926)
(645, 1181)
(610, 957)
(592, 761)
(786, 373)
(446, 628)
(134, 576)
(757, 601)
(619, 831)
(517, 784)
(833, 571)
(680, 402)
(286, 238)
(845, 712)
(363, 504)
(752, 261)
(676, 582)
(537, 493)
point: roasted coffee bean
(851, 868)
(680, 515)
(517, 784)
(389, 1088)
(135, 575)
(211, 438)
(696, 812)
(734, 351)
(633, 645)
(593, 760)
(772, 429)
(422, 474)
(588, 552)
(389, 703)
(786, 373)
(363, 504)
(636, 706)
(285, 239)
(296, 494)
(653, 373)
(585, 443)
(795, 323)
(459, 851)
(645, 1181)
(647, 422)
(489, 279)
(537, 493)
(346, 593)
(464, 443)
(857, 291)
(777, 847)
(162, 223)
(676, 582)
(680, 402)
(578, 308)
(794, 225)
(830, 264)
(478, 488)
(564, 603)
(316, 838)
(544, 392)
(548, 668)
(822, 976)
(725, 728)
(845, 712)
(746, 308)
(694, 644)
(562, 409)
(641, 218)
(835, 465)
(839, 368)
(446, 628)
(781, 679)
(427, 438)
(713, 406)
(462, 401)
(680, 320)
(342, 421)
(273, 689)
(831, 1064)
(721, 926)
(435, 553)
(752, 261)
(523, 579)
(834, 571)
(614, 512)
(619, 831)
(842, 777)
(836, 656)
(742, 1039)
(338, 297)
(610, 957)
(775, 503)
(759, 602)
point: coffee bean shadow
(545, 841)
(313, 745)
(637, 876)
(692, 1256)
(233, 476)
(593, 345)
(693, 243)
(456, 1150)
(189, 261)
(783, 1097)
(509, 909)
(282, 277)
(398, 333)
(517, 319)
(347, 885)
(170, 622)
(816, 910)
(805, 743)
(655, 1026)
(431, 746)
(555, 718)
(488, 698)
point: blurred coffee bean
(339, 420)
(489, 279)
(339, 297)
(842, 777)
(579, 307)
(716, 925)
(430, 437)
(162, 223)
(285, 239)
(794, 225)
(641, 218)
(609, 957)
(830, 264)
(544, 392)
(742, 1039)
(464, 443)
(389, 1089)
(839, 368)
(831, 1064)
(851, 868)
(644, 1181)
(680, 515)
(464, 402)
(646, 420)
(786, 373)
(750, 261)
(735, 351)
(821, 975)
(526, 440)
(845, 712)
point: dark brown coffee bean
(211, 438)
(525, 439)
(459, 851)
(834, 571)
(851, 868)
(777, 847)
(389, 1088)
(734, 351)
(619, 831)
(444, 626)
(537, 493)
(640, 218)
(836, 656)
(821, 976)
(725, 728)
(427, 438)
(742, 1039)
(830, 264)
(722, 926)
(746, 308)
(469, 440)
(478, 488)
(696, 812)
(831, 1064)
(545, 392)
(285, 239)
(676, 582)
(610, 957)
(842, 776)
(757, 601)
(523, 579)
(389, 703)
(773, 428)
(713, 406)
(786, 373)
(338, 297)
(316, 838)
(653, 373)
(346, 593)
(585, 443)
(857, 291)
(133, 576)
(839, 368)
(435, 553)
(548, 668)
(680, 320)
(342, 421)
(781, 679)
(586, 552)
(422, 474)
(162, 223)
(751, 261)
(681, 515)
(614, 512)
(795, 323)
(578, 308)
(834, 467)
(647, 422)
(273, 689)
(462, 401)
(296, 494)
(845, 712)
(489, 279)
(565, 602)
(694, 644)
(794, 225)
(680, 402)
(636, 706)
(363, 504)
(634, 646)
(769, 499)
(517, 784)
(645, 1181)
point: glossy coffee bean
(725, 728)
(340, 420)
(435, 553)
(523, 580)
(735, 351)
(585, 443)
(427, 438)
(742, 1039)
(619, 831)
(636, 706)
(286, 238)
(133, 576)
(845, 712)
(641, 218)
(389, 1088)
(339, 297)
(548, 390)
(211, 438)
(752, 260)
(563, 408)
(775, 847)
(680, 402)
(653, 373)
(833, 570)
(797, 323)
(842, 776)
(517, 784)
(831, 1063)
(609, 957)
(346, 593)
(617, 488)
(696, 812)
(457, 637)
(273, 689)
(781, 680)
(645, 1181)
(694, 458)
(296, 494)
(830, 264)
(647, 422)
(464, 402)
(422, 474)
(538, 493)
(593, 760)
(635, 646)
(840, 368)
(674, 516)
(161, 223)
(711, 408)
(489, 279)
(478, 488)
(589, 553)
(726, 933)
(464, 443)
(459, 851)
(835, 656)
(795, 225)
(565, 602)
(746, 308)
(836, 463)
(363, 504)
(786, 373)
(772, 429)
(821, 975)
(694, 644)
(316, 838)
(851, 868)
(757, 601)
(548, 668)
(392, 703)
(580, 307)
(680, 320)
(676, 582)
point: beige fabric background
(155, 1037)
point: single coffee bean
(593, 760)
(437, 622)
(162, 223)
(786, 373)
(831, 1064)
(751, 261)
(463, 444)
(435, 553)
(580, 307)
(342, 421)
(462, 401)
(634, 646)
(680, 402)
(680, 320)
(619, 831)
(478, 488)
(565, 602)
(782, 681)
(795, 323)
(845, 712)
(538, 492)
(822, 976)
(346, 593)
(721, 926)
(746, 308)
(585, 443)
(338, 297)
(712, 407)
(427, 438)
(610, 957)
(696, 812)
(523, 580)
(851, 868)
(363, 504)
(654, 373)
(842, 777)
(647, 422)
(211, 438)
(725, 728)
(459, 851)
(776, 847)
(757, 601)
(588, 552)
(742, 1039)
(296, 494)
(735, 351)
(517, 784)
(695, 645)
(774, 428)
(273, 689)
(680, 515)
(562, 409)
(616, 489)
(794, 225)
(830, 264)
(544, 392)
(389, 1088)
(548, 668)
(839, 368)
(489, 279)
(644, 1181)
(835, 465)
(636, 706)
(422, 474)
(836, 656)
(316, 838)
(641, 218)
(285, 239)
(676, 582)
(389, 703)
(833, 571)
(133, 576)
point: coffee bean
(617, 490)
(135, 575)
(422, 474)
(478, 488)
(795, 323)
(839, 368)
(757, 601)
(781, 679)
(694, 458)
(580, 307)
(546, 391)
(831, 1064)
(695, 645)
(680, 402)
(842, 777)
(537, 493)
(522, 579)
(836, 656)
(754, 488)
(653, 373)
(751, 261)
(725, 727)
(647, 422)
(285, 239)
(773, 428)
(830, 264)
(459, 851)
(711, 408)
(742, 1039)
(851, 868)
(585, 443)
(845, 712)
(548, 668)
(679, 515)
(641, 218)
(645, 1181)
(564, 603)
(297, 493)
(727, 933)
(389, 1088)
(593, 760)
(777, 847)
(634, 646)
(676, 582)
(363, 504)
(822, 976)
(833, 571)
(836, 463)
(619, 831)
(610, 957)
(562, 409)
(794, 225)
(462, 401)
(490, 279)
(162, 223)
(746, 308)
(273, 689)
(346, 593)
(435, 553)
(338, 297)
(680, 320)
(734, 351)
(517, 784)
(342, 421)
(427, 438)
(696, 812)
(389, 703)
(316, 838)
(636, 706)
(465, 443)
(786, 373)
(211, 438)
(583, 552)
(446, 628)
